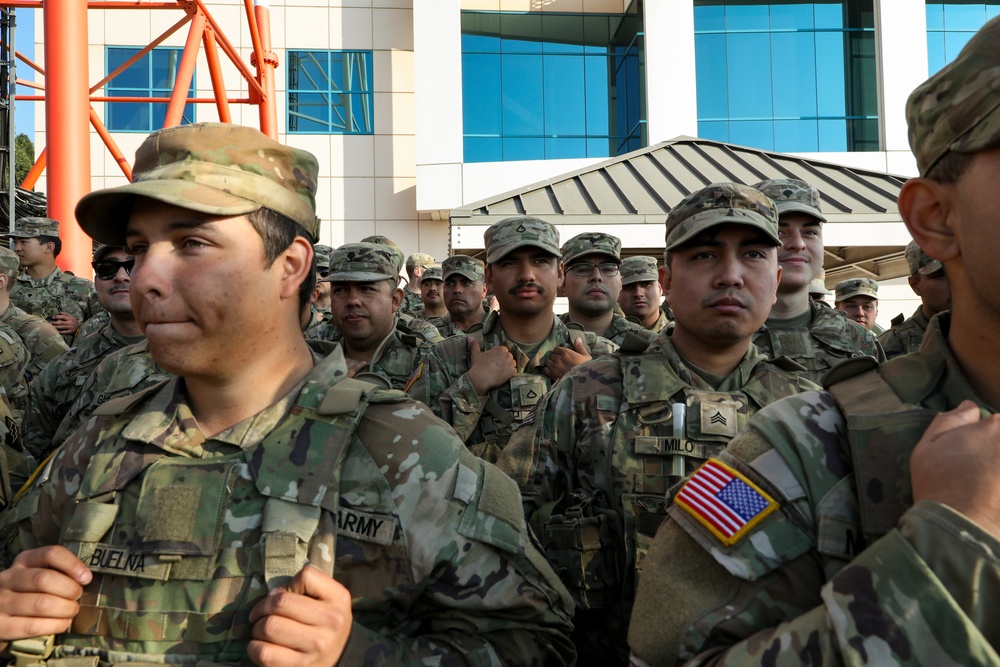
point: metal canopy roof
(639, 189)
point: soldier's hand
(955, 464)
(39, 593)
(65, 323)
(490, 368)
(562, 359)
(304, 624)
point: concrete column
(671, 87)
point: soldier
(641, 295)
(598, 454)
(464, 293)
(486, 382)
(813, 336)
(592, 281)
(929, 282)
(44, 343)
(60, 383)
(364, 298)
(322, 302)
(858, 299)
(416, 265)
(42, 288)
(867, 529)
(431, 295)
(177, 525)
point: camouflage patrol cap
(10, 263)
(958, 109)
(419, 259)
(717, 204)
(463, 265)
(322, 253)
(362, 263)
(845, 289)
(433, 273)
(590, 243)
(919, 261)
(212, 168)
(639, 268)
(378, 239)
(512, 233)
(790, 195)
(28, 228)
(818, 285)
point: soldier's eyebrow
(184, 224)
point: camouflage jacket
(405, 323)
(830, 339)
(905, 337)
(44, 343)
(14, 358)
(436, 555)
(412, 304)
(396, 359)
(661, 323)
(595, 459)
(93, 323)
(126, 371)
(56, 293)
(833, 548)
(620, 325)
(60, 383)
(486, 422)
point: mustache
(526, 285)
(727, 295)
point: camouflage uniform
(412, 304)
(620, 327)
(904, 337)
(641, 268)
(405, 324)
(95, 323)
(59, 384)
(827, 559)
(829, 339)
(358, 515)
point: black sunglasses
(107, 269)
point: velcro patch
(111, 559)
(724, 501)
(719, 418)
(366, 526)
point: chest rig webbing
(163, 543)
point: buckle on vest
(32, 652)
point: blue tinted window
(330, 92)
(546, 86)
(150, 76)
(950, 26)
(786, 76)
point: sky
(24, 42)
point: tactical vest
(48, 299)
(132, 526)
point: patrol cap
(419, 259)
(322, 253)
(919, 261)
(433, 273)
(102, 251)
(378, 239)
(717, 204)
(958, 109)
(818, 285)
(212, 168)
(590, 243)
(463, 265)
(509, 234)
(790, 195)
(639, 268)
(10, 263)
(845, 289)
(29, 228)
(362, 263)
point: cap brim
(522, 244)
(356, 277)
(638, 278)
(465, 274)
(103, 214)
(798, 207)
(850, 295)
(614, 257)
(20, 235)
(930, 267)
(725, 220)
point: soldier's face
(933, 290)
(114, 294)
(430, 293)
(861, 309)
(463, 296)
(29, 250)
(594, 294)
(641, 299)
(801, 251)
(201, 293)
(525, 281)
(364, 312)
(721, 286)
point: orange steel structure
(68, 96)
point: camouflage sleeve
(487, 597)
(788, 592)
(448, 387)
(892, 344)
(42, 420)
(600, 346)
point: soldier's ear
(930, 213)
(664, 273)
(295, 262)
(397, 299)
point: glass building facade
(546, 85)
(152, 75)
(950, 26)
(330, 92)
(791, 77)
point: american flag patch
(724, 501)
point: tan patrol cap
(845, 289)
(212, 168)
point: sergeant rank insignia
(724, 501)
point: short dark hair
(278, 232)
(55, 241)
(950, 167)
